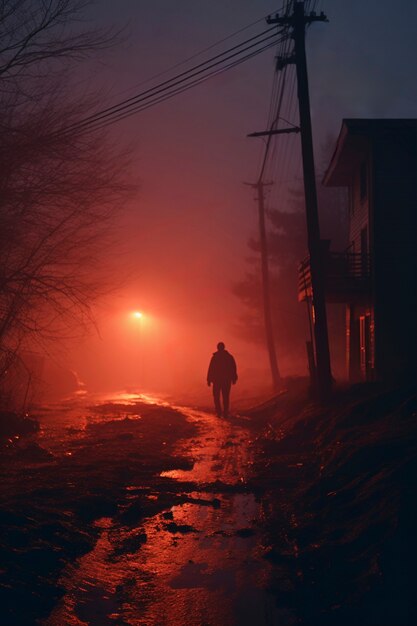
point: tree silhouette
(287, 247)
(59, 190)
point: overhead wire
(275, 120)
(278, 154)
(290, 153)
(276, 88)
(271, 110)
(288, 140)
(270, 140)
(281, 154)
(255, 41)
(170, 91)
(199, 53)
(283, 140)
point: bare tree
(33, 32)
(59, 191)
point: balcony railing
(346, 276)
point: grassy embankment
(339, 492)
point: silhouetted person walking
(222, 373)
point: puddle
(195, 563)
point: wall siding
(359, 217)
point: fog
(181, 240)
(140, 230)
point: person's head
(220, 346)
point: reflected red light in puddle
(186, 559)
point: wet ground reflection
(195, 562)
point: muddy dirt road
(175, 529)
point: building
(376, 160)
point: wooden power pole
(298, 21)
(266, 288)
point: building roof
(356, 134)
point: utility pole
(298, 21)
(269, 329)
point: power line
(278, 156)
(172, 90)
(199, 53)
(274, 123)
(130, 103)
(95, 125)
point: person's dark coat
(222, 368)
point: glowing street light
(137, 314)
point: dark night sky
(188, 226)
